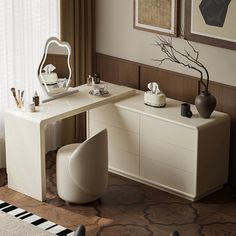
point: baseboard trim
(170, 190)
(153, 184)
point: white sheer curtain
(25, 25)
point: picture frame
(157, 16)
(201, 27)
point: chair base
(68, 190)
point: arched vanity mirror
(54, 71)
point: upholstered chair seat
(82, 169)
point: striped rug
(35, 220)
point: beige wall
(117, 37)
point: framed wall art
(158, 16)
(211, 22)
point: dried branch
(191, 58)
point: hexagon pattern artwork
(214, 12)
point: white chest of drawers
(156, 146)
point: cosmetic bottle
(36, 98)
(89, 80)
(97, 78)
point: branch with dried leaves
(186, 58)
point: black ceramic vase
(205, 104)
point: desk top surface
(72, 104)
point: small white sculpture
(154, 97)
(49, 68)
(50, 77)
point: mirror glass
(54, 71)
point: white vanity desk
(25, 136)
(156, 146)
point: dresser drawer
(125, 162)
(122, 139)
(166, 153)
(167, 176)
(116, 117)
(168, 132)
(123, 148)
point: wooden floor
(130, 208)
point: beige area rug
(11, 226)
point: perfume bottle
(89, 80)
(36, 98)
(97, 78)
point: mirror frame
(41, 79)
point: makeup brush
(20, 100)
(21, 97)
(18, 95)
(13, 90)
(22, 94)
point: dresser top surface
(171, 112)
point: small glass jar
(90, 80)
(96, 77)
(29, 107)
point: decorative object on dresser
(99, 90)
(185, 110)
(96, 78)
(154, 97)
(205, 102)
(93, 79)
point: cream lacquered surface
(25, 136)
(187, 157)
(73, 104)
(169, 113)
(123, 136)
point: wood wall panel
(118, 71)
(174, 85)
